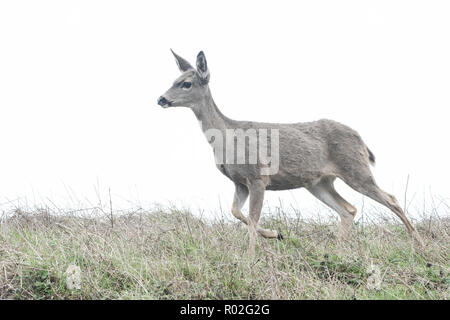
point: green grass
(170, 254)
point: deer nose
(163, 101)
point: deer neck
(209, 115)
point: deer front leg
(256, 190)
(240, 196)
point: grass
(171, 254)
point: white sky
(79, 82)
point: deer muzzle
(163, 102)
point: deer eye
(186, 85)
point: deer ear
(202, 68)
(183, 65)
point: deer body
(306, 153)
(311, 155)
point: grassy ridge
(170, 254)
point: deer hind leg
(325, 192)
(240, 196)
(366, 185)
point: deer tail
(371, 157)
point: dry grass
(168, 254)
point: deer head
(191, 87)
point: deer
(311, 155)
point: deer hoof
(279, 236)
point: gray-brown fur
(311, 155)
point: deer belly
(284, 180)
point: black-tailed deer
(309, 155)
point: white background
(79, 83)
